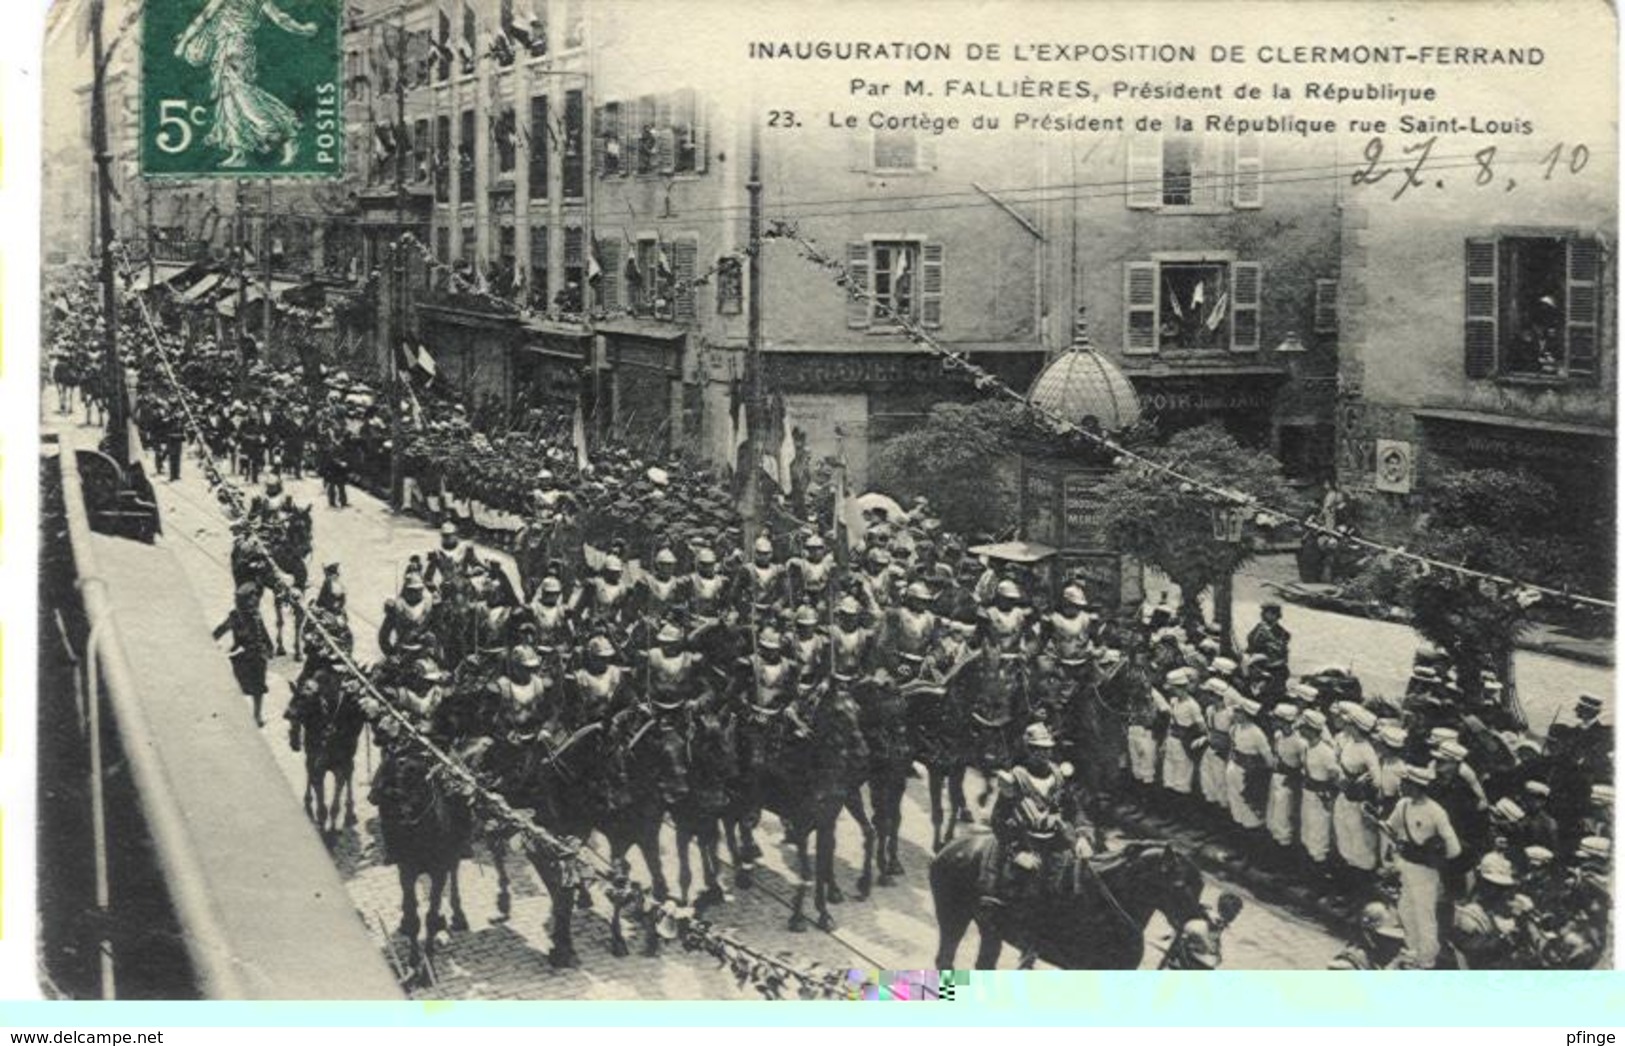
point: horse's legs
(987, 952)
(890, 863)
(648, 844)
(798, 916)
(409, 905)
(459, 921)
(935, 783)
(276, 605)
(504, 897)
(349, 796)
(317, 776)
(952, 921)
(854, 806)
(825, 879)
(956, 793)
(562, 953)
(685, 875)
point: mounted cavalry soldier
(853, 649)
(550, 620)
(274, 503)
(598, 686)
(910, 632)
(450, 560)
(1032, 824)
(406, 633)
(1066, 632)
(672, 674)
(606, 600)
(762, 584)
(808, 645)
(522, 695)
(812, 574)
(1007, 620)
(662, 595)
(707, 592)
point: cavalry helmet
(613, 565)
(763, 544)
(848, 605)
(1008, 589)
(918, 590)
(705, 557)
(600, 647)
(1038, 736)
(666, 557)
(806, 616)
(1074, 595)
(816, 541)
(669, 633)
(552, 586)
(770, 639)
(526, 656)
(448, 529)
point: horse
(425, 831)
(1094, 917)
(713, 780)
(885, 721)
(817, 777)
(332, 729)
(997, 688)
(936, 718)
(290, 546)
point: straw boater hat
(1538, 856)
(1418, 773)
(1495, 868)
(1508, 811)
(1391, 735)
(1450, 751)
(1594, 848)
(1312, 721)
(1286, 712)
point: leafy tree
(1170, 525)
(1499, 522)
(961, 457)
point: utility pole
(152, 264)
(265, 273)
(755, 415)
(398, 326)
(239, 262)
(118, 407)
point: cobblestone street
(894, 929)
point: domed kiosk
(1058, 508)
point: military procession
(604, 640)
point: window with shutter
(1143, 186)
(857, 267)
(1582, 315)
(666, 150)
(685, 252)
(575, 114)
(1140, 307)
(1244, 333)
(1482, 317)
(1325, 306)
(538, 148)
(684, 131)
(931, 284)
(1248, 190)
(609, 284)
(643, 134)
(539, 290)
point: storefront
(1578, 460)
(645, 392)
(1243, 401)
(472, 351)
(849, 403)
(551, 365)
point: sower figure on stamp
(248, 120)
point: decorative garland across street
(773, 977)
(1526, 594)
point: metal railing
(143, 808)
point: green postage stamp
(239, 88)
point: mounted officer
(606, 600)
(761, 586)
(910, 632)
(661, 594)
(406, 633)
(672, 675)
(1032, 824)
(708, 592)
(550, 620)
(812, 574)
(1007, 620)
(450, 560)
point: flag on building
(664, 263)
(416, 360)
(440, 43)
(787, 452)
(578, 435)
(595, 272)
(741, 424)
(1219, 308)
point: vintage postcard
(693, 500)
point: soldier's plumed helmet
(552, 586)
(763, 544)
(705, 557)
(666, 557)
(806, 616)
(848, 605)
(613, 565)
(600, 647)
(770, 639)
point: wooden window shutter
(1325, 306)
(857, 265)
(931, 284)
(926, 154)
(1248, 184)
(684, 254)
(1245, 289)
(860, 150)
(1140, 307)
(609, 283)
(702, 132)
(1483, 308)
(665, 140)
(603, 121)
(1143, 189)
(1585, 260)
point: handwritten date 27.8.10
(1416, 165)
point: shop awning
(156, 275)
(227, 306)
(203, 288)
(1015, 551)
(1475, 417)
